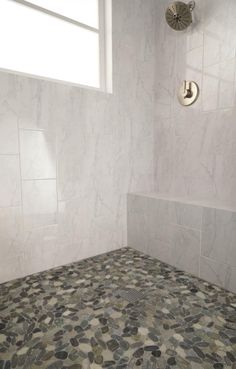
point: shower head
(179, 15)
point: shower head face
(179, 15)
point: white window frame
(104, 32)
(105, 44)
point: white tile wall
(39, 203)
(8, 130)
(192, 236)
(185, 249)
(11, 228)
(218, 273)
(10, 187)
(38, 155)
(219, 236)
(68, 155)
(206, 53)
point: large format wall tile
(160, 250)
(8, 130)
(10, 188)
(32, 100)
(12, 268)
(149, 228)
(189, 235)
(185, 249)
(38, 156)
(40, 249)
(11, 231)
(80, 150)
(205, 53)
(218, 273)
(137, 222)
(39, 203)
(219, 236)
(186, 215)
(157, 226)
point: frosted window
(84, 11)
(36, 43)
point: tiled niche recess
(193, 236)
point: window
(63, 40)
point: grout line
(217, 110)
(39, 227)
(185, 227)
(20, 167)
(184, 201)
(200, 243)
(202, 78)
(10, 207)
(38, 179)
(57, 170)
(17, 154)
(218, 262)
(32, 129)
(173, 126)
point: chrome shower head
(179, 15)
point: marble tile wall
(195, 146)
(192, 237)
(69, 155)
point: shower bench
(194, 236)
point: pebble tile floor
(76, 317)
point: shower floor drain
(132, 295)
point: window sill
(61, 82)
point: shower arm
(191, 5)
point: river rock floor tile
(119, 310)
